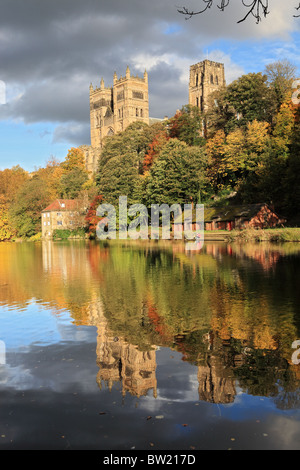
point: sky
(50, 52)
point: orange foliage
(154, 148)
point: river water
(144, 345)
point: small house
(66, 214)
(242, 216)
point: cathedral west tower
(112, 109)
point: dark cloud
(51, 51)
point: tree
(178, 175)
(11, 181)
(91, 218)
(25, 211)
(284, 127)
(280, 76)
(6, 231)
(251, 99)
(256, 8)
(74, 159)
(118, 177)
(220, 114)
(72, 182)
(292, 177)
(154, 149)
(236, 156)
(186, 125)
(135, 139)
(51, 175)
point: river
(145, 345)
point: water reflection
(231, 311)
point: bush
(64, 234)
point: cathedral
(112, 109)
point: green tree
(177, 175)
(118, 177)
(251, 99)
(220, 114)
(187, 125)
(280, 76)
(72, 183)
(134, 140)
(292, 177)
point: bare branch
(297, 8)
(256, 8)
(189, 13)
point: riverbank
(285, 234)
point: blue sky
(52, 50)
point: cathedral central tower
(205, 78)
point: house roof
(228, 213)
(63, 205)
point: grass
(287, 234)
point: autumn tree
(154, 149)
(74, 159)
(11, 180)
(51, 175)
(91, 218)
(6, 230)
(234, 157)
(25, 211)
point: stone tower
(205, 78)
(112, 109)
